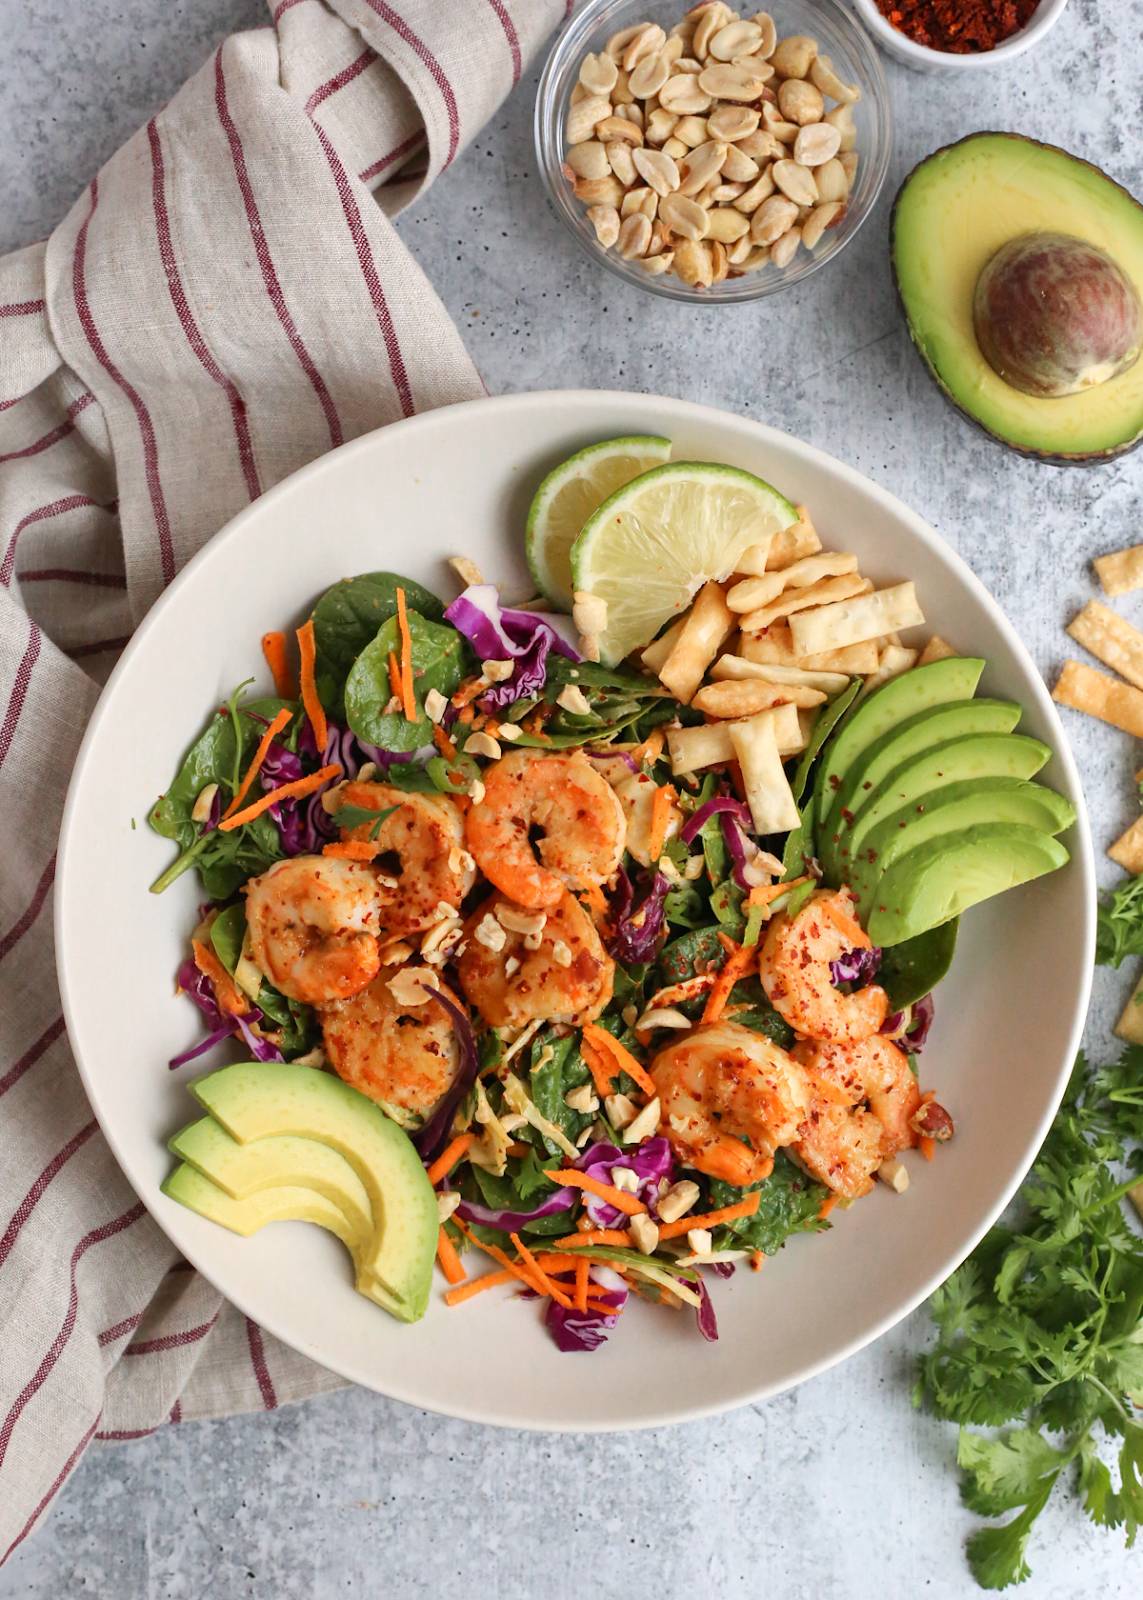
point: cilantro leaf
(1119, 924)
(1002, 1473)
(996, 1555)
(359, 816)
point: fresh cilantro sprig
(1043, 1328)
(358, 816)
(1119, 924)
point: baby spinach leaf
(348, 616)
(800, 841)
(211, 759)
(557, 1067)
(227, 933)
(790, 1204)
(914, 968)
(690, 953)
(440, 657)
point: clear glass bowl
(854, 59)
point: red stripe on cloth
(281, 8)
(32, 1055)
(99, 648)
(512, 37)
(142, 415)
(265, 260)
(22, 308)
(258, 1362)
(340, 79)
(93, 580)
(186, 317)
(419, 48)
(57, 1485)
(35, 905)
(19, 692)
(128, 1325)
(32, 1198)
(121, 1435)
(35, 1383)
(171, 1341)
(56, 434)
(55, 508)
(395, 154)
(176, 1412)
(365, 261)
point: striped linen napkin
(227, 300)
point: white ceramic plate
(459, 481)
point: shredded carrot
(619, 1053)
(605, 1306)
(468, 691)
(490, 1280)
(651, 748)
(557, 1266)
(928, 1146)
(449, 1157)
(534, 722)
(619, 1198)
(661, 802)
(826, 1207)
(763, 893)
(582, 1279)
(757, 1261)
(465, 716)
(288, 791)
(394, 675)
(448, 1258)
(276, 652)
(352, 849)
(597, 1065)
(516, 1268)
(593, 894)
(739, 960)
(616, 1236)
(846, 925)
(711, 1219)
(550, 1288)
(408, 704)
(253, 769)
(307, 649)
(226, 992)
(443, 743)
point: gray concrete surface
(839, 1489)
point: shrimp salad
(546, 915)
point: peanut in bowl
(745, 193)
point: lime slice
(652, 546)
(568, 496)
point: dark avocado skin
(1089, 459)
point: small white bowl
(922, 59)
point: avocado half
(952, 214)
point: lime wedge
(568, 496)
(652, 546)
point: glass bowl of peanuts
(711, 155)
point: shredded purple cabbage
(636, 930)
(431, 1139)
(199, 1049)
(922, 1014)
(650, 1161)
(305, 825)
(575, 1330)
(704, 1313)
(200, 989)
(513, 1221)
(856, 966)
(722, 1269)
(497, 634)
(720, 805)
(614, 755)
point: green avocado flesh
(952, 214)
(954, 678)
(276, 1111)
(940, 879)
(284, 1204)
(880, 760)
(950, 810)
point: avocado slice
(244, 1169)
(971, 759)
(955, 213)
(285, 1203)
(950, 810)
(255, 1100)
(954, 678)
(940, 879)
(882, 758)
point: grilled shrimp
(421, 860)
(794, 969)
(723, 1083)
(547, 823)
(863, 1101)
(313, 923)
(518, 965)
(403, 1055)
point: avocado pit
(1054, 315)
